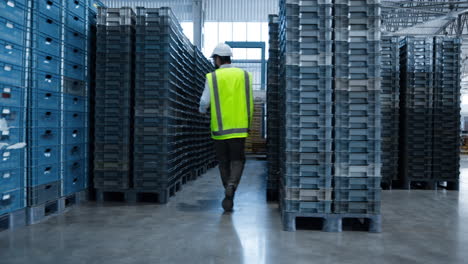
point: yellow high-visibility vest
(231, 103)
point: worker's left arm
(205, 99)
(251, 100)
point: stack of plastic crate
(166, 104)
(357, 130)
(390, 82)
(272, 108)
(204, 155)
(114, 98)
(13, 87)
(446, 147)
(307, 51)
(44, 180)
(75, 98)
(416, 113)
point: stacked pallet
(272, 109)
(13, 86)
(113, 121)
(170, 135)
(306, 143)
(390, 99)
(150, 138)
(357, 129)
(45, 100)
(416, 116)
(430, 112)
(58, 124)
(446, 149)
(329, 111)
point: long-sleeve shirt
(205, 99)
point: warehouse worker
(228, 92)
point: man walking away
(228, 92)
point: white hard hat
(222, 50)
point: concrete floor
(418, 227)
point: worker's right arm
(205, 99)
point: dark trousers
(231, 157)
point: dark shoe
(228, 202)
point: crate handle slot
(75, 50)
(47, 152)
(75, 133)
(48, 187)
(75, 180)
(50, 3)
(6, 197)
(76, 18)
(76, 165)
(48, 58)
(77, 3)
(48, 41)
(75, 149)
(48, 170)
(75, 100)
(49, 21)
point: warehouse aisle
(419, 227)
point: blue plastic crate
(14, 11)
(75, 119)
(45, 174)
(12, 74)
(74, 152)
(48, 26)
(11, 201)
(43, 136)
(47, 44)
(45, 118)
(75, 71)
(12, 136)
(12, 96)
(14, 116)
(74, 178)
(44, 155)
(75, 103)
(50, 8)
(76, 135)
(12, 32)
(45, 99)
(11, 158)
(75, 55)
(11, 179)
(75, 22)
(46, 62)
(46, 81)
(75, 38)
(77, 7)
(12, 53)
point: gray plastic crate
(348, 167)
(347, 195)
(356, 183)
(311, 195)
